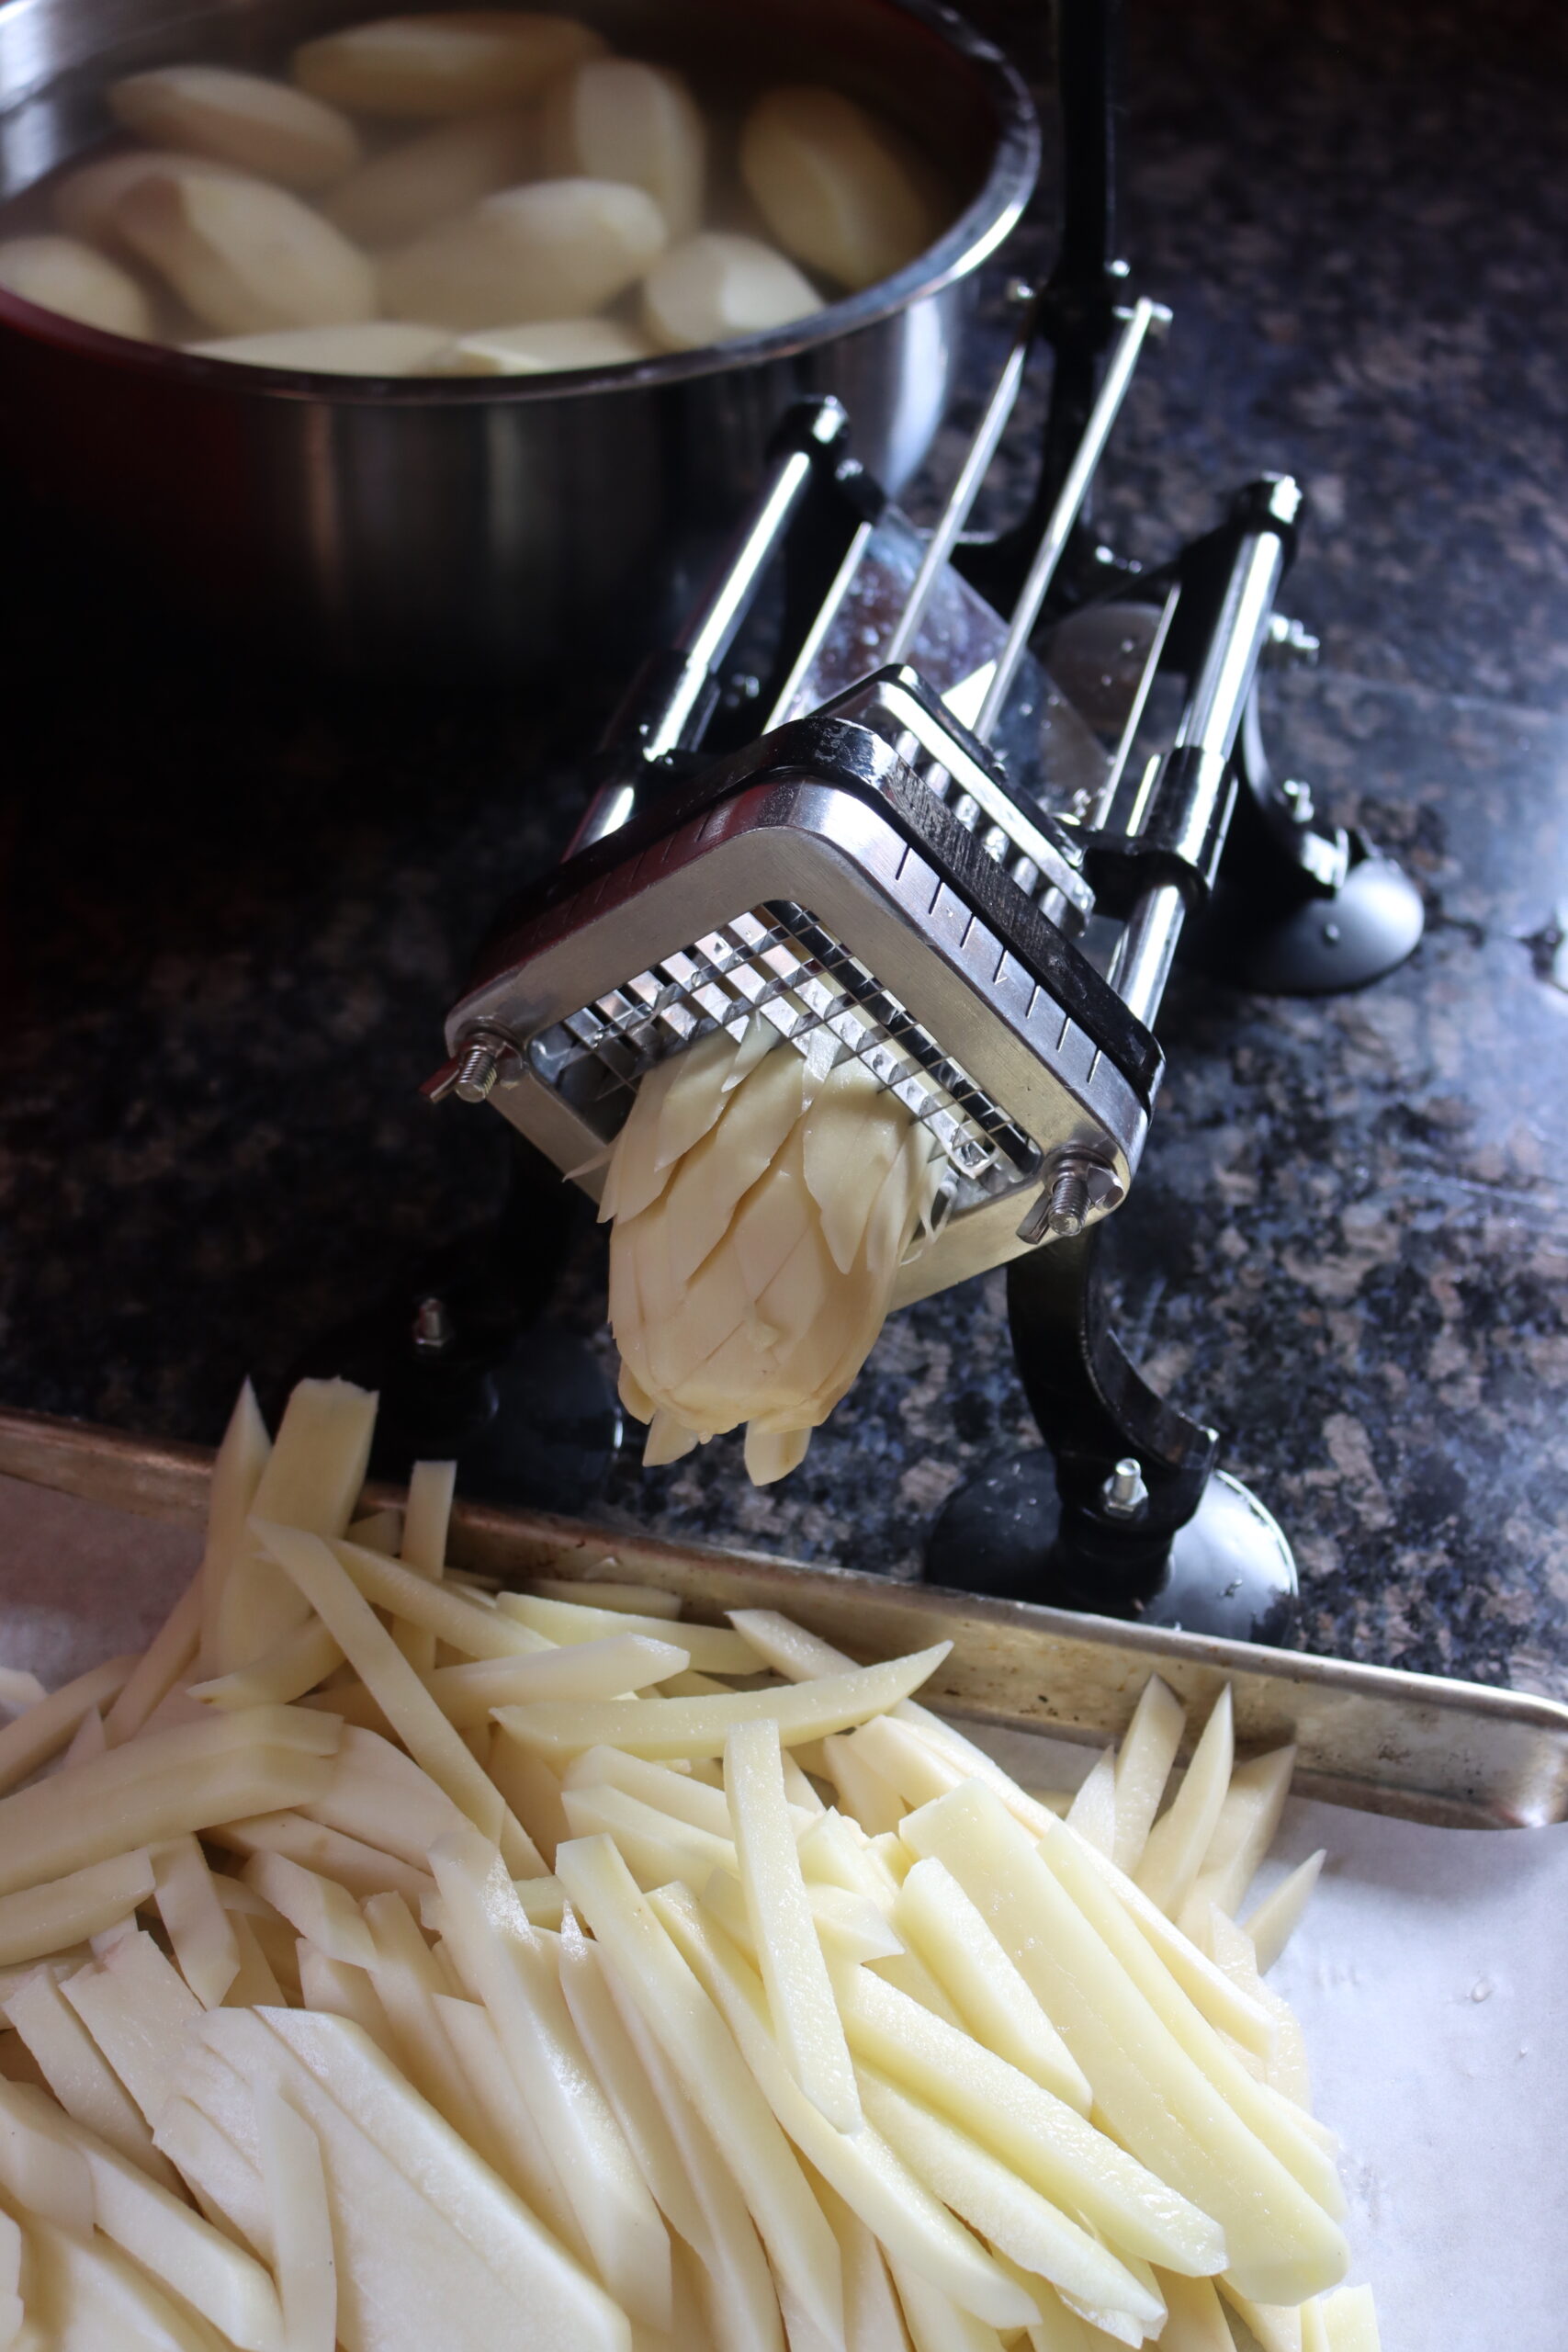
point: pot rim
(972, 238)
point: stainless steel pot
(475, 524)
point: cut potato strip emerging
(319, 2060)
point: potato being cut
(832, 187)
(240, 119)
(459, 63)
(556, 250)
(58, 274)
(719, 286)
(616, 119)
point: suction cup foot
(1229, 1572)
(1322, 945)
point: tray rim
(166, 1479)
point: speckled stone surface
(234, 907)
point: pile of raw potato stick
(388, 1962)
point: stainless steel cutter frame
(1458, 1755)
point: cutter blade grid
(778, 961)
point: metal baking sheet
(1452, 1754)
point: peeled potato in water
(87, 204)
(717, 285)
(557, 250)
(831, 186)
(616, 119)
(58, 274)
(241, 118)
(544, 349)
(456, 64)
(244, 256)
(371, 347)
(433, 177)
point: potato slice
(1156, 2101)
(246, 1448)
(1177, 1844)
(556, 250)
(1275, 1920)
(1248, 1818)
(794, 1974)
(363, 1869)
(1143, 1767)
(713, 1649)
(460, 63)
(311, 1477)
(625, 2085)
(596, 1670)
(1223, 2001)
(49, 1726)
(368, 347)
(61, 276)
(41, 1919)
(604, 1592)
(935, 2322)
(849, 1925)
(525, 2164)
(613, 119)
(454, 1616)
(719, 286)
(163, 1662)
(832, 187)
(651, 1971)
(1351, 2321)
(546, 348)
(245, 119)
(654, 1844)
(380, 1796)
(666, 1727)
(194, 1920)
(1092, 1814)
(316, 1907)
(431, 178)
(1196, 2322)
(429, 1516)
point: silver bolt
(1061, 1207)
(1020, 291)
(478, 1071)
(1291, 644)
(432, 1327)
(1299, 795)
(1124, 1495)
(1069, 1204)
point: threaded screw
(1124, 1495)
(1069, 1204)
(478, 1071)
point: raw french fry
(1195, 2321)
(49, 1726)
(1143, 1767)
(41, 1919)
(605, 1592)
(314, 1906)
(862, 1791)
(312, 1475)
(160, 1667)
(255, 1987)
(783, 1935)
(454, 64)
(664, 1786)
(1349, 2321)
(296, 1662)
(935, 1914)
(246, 1448)
(849, 1927)
(59, 275)
(1248, 1818)
(1223, 2001)
(79, 2075)
(935, 2322)
(467, 1694)
(295, 2181)
(1158, 2102)
(157, 2229)
(225, 2184)
(1275, 2328)
(1276, 2125)
(1092, 1813)
(41, 2173)
(163, 1786)
(363, 1869)
(718, 285)
(382, 1797)
(526, 2162)
(1050, 2146)
(650, 1971)
(504, 1963)
(531, 1789)
(453, 1615)
(552, 250)
(873, 2321)
(863, 2169)
(665, 1727)
(138, 2009)
(655, 1846)
(1275, 1920)
(831, 186)
(91, 2294)
(326, 1584)
(240, 119)
(1285, 2068)
(1177, 1844)
(424, 1548)
(407, 1981)
(712, 1649)
(342, 1992)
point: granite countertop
(237, 904)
